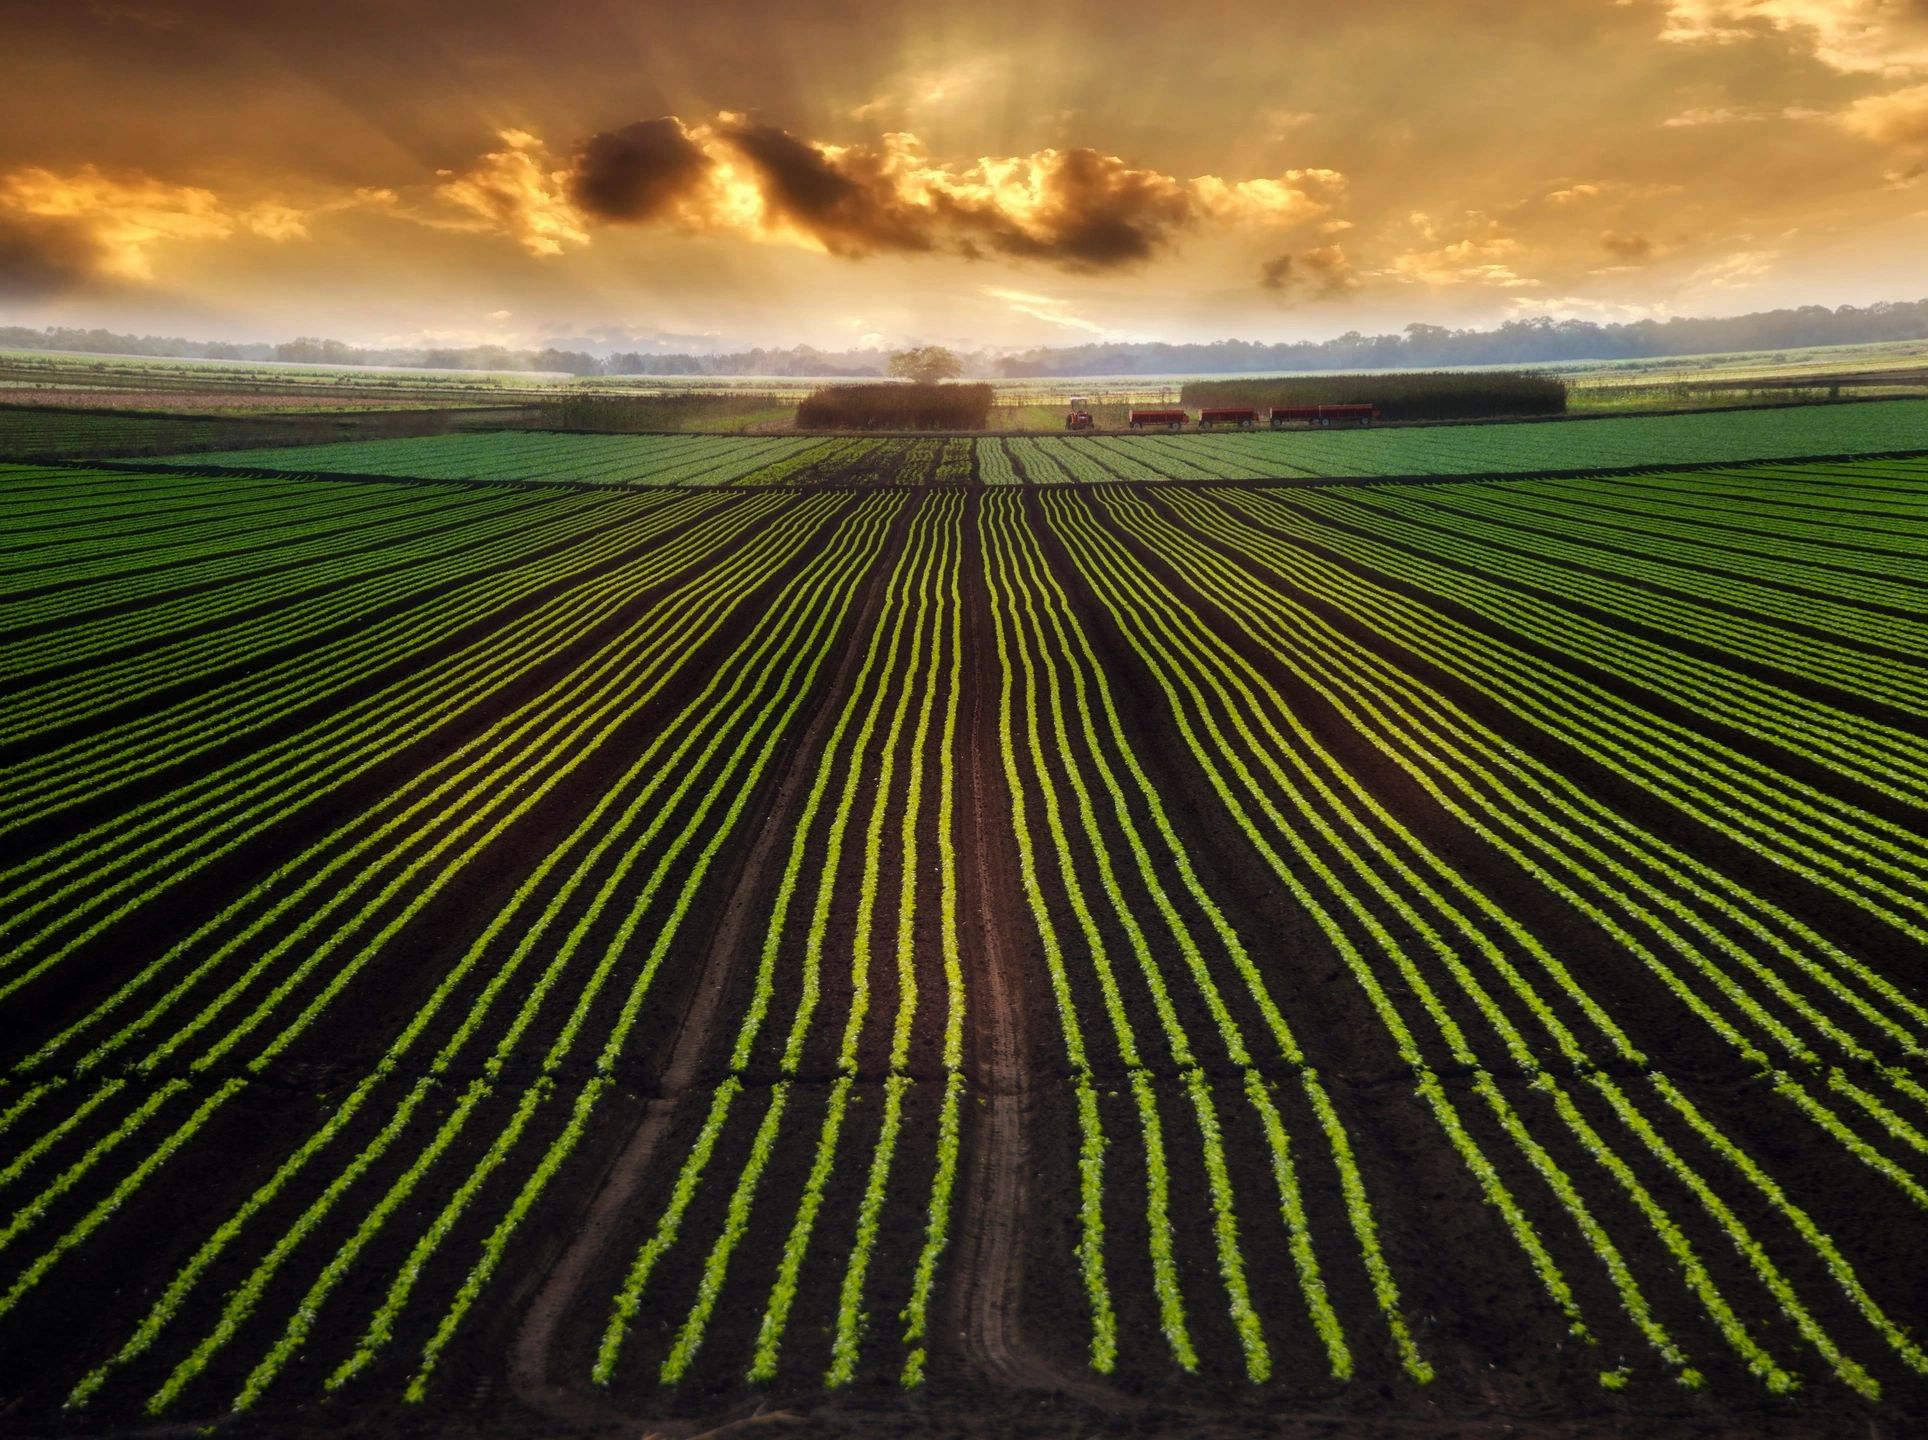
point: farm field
(29, 433)
(676, 460)
(257, 383)
(946, 951)
(25, 433)
(540, 458)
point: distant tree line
(1536, 341)
(804, 361)
(306, 350)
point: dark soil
(1009, 1328)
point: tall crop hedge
(896, 407)
(1418, 395)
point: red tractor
(1080, 416)
(1245, 419)
(1323, 416)
(1170, 419)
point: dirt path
(617, 1188)
(990, 1261)
(995, 1219)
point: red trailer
(1245, 419)
(1170, 419)
(1324, 416)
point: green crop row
(229, 710)
(1090, 544)
(53, 432)
(767, 642)
(536, 457)
(71, 891)
(1412, 724)
(1044, 612)
(1547, 846)
(912, 640)
(532, 457)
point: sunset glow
(979, 174)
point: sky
(710, 174)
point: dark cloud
(42, 258)
(1626, 247)
(848, 202)
(1099, 214)
(1314, 274)
(1096, 213)
(638, 172)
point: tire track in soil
(561, 1284)
(988, 1290)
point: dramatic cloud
(849, 200)
(901, 160)
(514, 191)
(95, 222)
(1078, 209)
(637, 173)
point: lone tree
(925, 364)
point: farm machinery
(1169, 419)
(1322, 416)
(1243, 417)
(1080, 416)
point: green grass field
(652, 460)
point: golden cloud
(122, 217)
(1853, 36)
(515, 191)
(1078, 208)
(1899, 119)
(1699, 115)
(1735, 272)
(89, 222)
(1297, 195)
(1575, 193)
(1483, 256)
